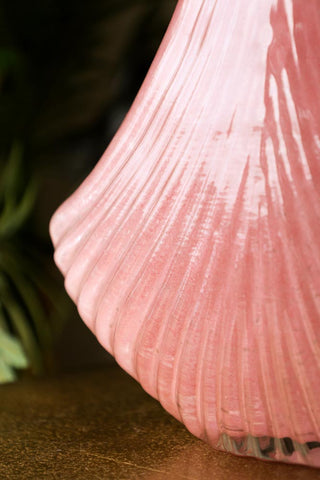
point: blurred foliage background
(69, 70)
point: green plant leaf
(14, 215)
(20, 325)
(7, 373)
(16, 207)
(14, 268)
(11, 172)
(11, 351)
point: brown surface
(101, 425)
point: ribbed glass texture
(193, 248)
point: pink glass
(192, 249)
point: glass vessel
(192, 249)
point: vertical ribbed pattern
(193, 248)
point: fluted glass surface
(192, 250)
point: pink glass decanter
(192, 250)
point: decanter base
(272, 449)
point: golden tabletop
(101, 425)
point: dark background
(69, 70)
